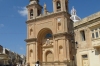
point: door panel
(85, 62)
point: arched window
(31, 13)
(48, 35)
(58, 5)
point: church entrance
(45, 45)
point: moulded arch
(49, 57)
(43, 32)
(48, 51)
(40, 37)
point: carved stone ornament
(58, 20)
(47, 42)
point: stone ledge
(87, 19)
(31, 39)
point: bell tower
(60, 5)
(34, 9)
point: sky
(13, 15)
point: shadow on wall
(97, 52)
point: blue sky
(13, 15)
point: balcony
(96, 45)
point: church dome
(33, 2)
(74, 16)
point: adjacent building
(7, 57)
(87, 36)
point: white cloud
(23, 12)
(21, 48)
(1, 25)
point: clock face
(58, 19)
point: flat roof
(87, 19)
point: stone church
(61, 39)
(50, 36)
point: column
(27, 53)
(56, 51)
(54, 6)
(64, 50)
(33, 52)
(36, 51)
(67, 46)
(62, 5)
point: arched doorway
(44, 37)
(49, 56)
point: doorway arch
(43, 34)
(49, 56)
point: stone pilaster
(68, 51)
(27, 54)
(34, 53)
(56, 51)
(64, 50)
(54, 6)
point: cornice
(87, 19)
(48, 46)
(34, 5)
(60, 34)
(31, 39)
(48, 16)
(87, 23)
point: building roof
(87, 19)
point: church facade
(49, 35)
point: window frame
(96, 33)
(83, 37)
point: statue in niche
(47, 42)
(47, 37)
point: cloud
(23, 12)
(1, 25)
(21, 48)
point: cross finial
(45, 6)
(73, 11)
